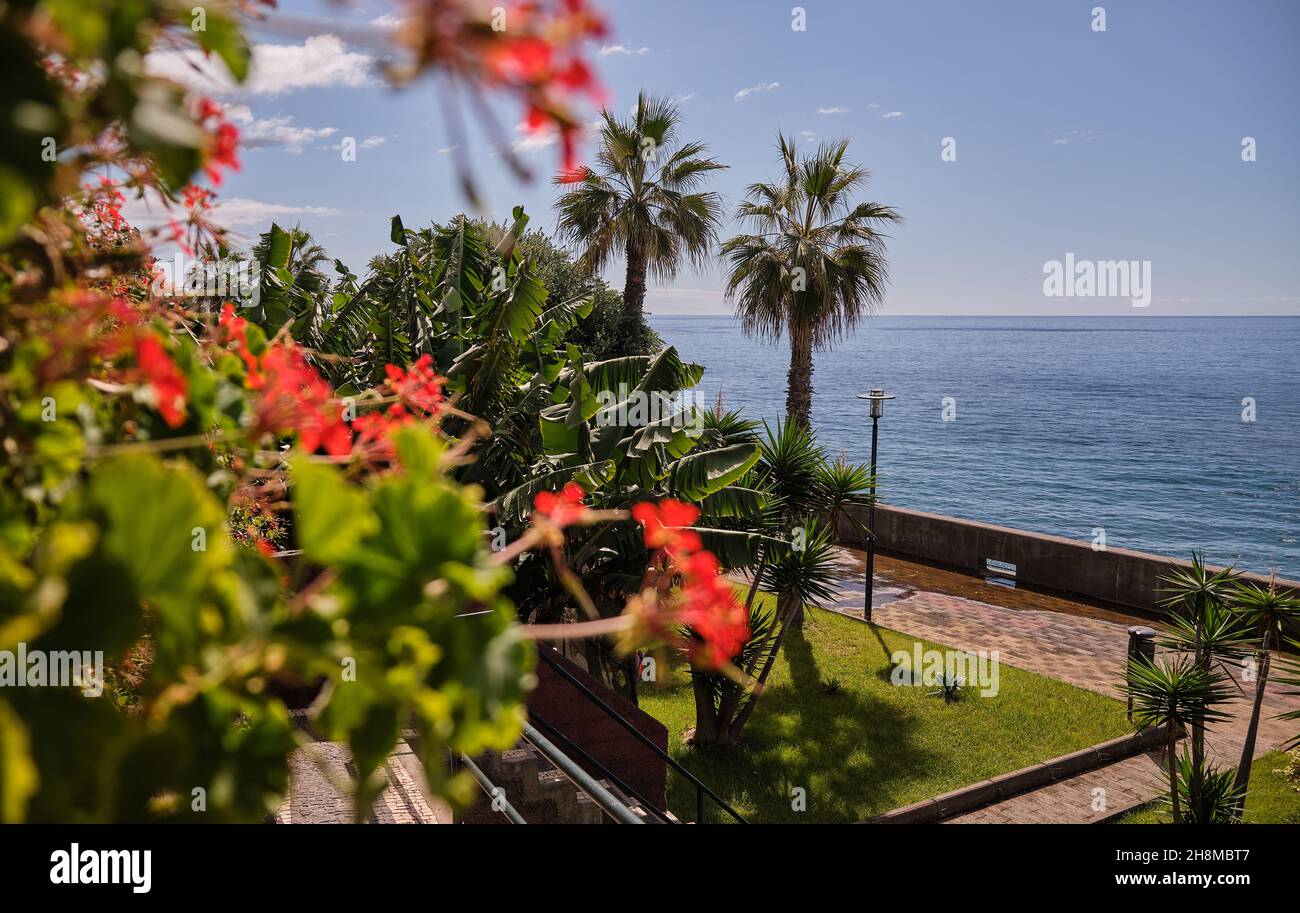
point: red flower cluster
(223, 140)
(104, 204)
(374, 432)
(292, 396)
(706, 603)
(563, 508)
(160, 372)
(419, 388)
(529, 48)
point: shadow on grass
(801, 738)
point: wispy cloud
(1076, 136)
(760, 87)
(892, 114)
(266, 132)
(833, 110)
(622, 49)
(321, 61)
(236, 213)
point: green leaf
(331, 515)
(699, 475)
(165, 528)
(397, 232)
(224, 38)
(279, 245)
(18, 775)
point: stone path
(1085, 651)
(319, 770)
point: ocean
(1170, 434)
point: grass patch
(1270, 798)
(865, 746)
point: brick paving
(1083, 650)
(320, 771)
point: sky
(1122, 144)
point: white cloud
(320, 61)
(263, 132)
(892, 114)
(150, 212)
(388, 22)
(1076, 136)
(622, 49)
(240, 212)
(833, 110)
(532, 140)
(760, 87)
(874, 105)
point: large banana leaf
(698, 475)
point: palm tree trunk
(1248, 747)
(1198, 729)
(1172, 731)
(706, 715)
(798, 396)
(634, 287)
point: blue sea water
(1063, 425)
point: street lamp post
(876, 396)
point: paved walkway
(319, 771)
(1081, 649)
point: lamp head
(876, 396)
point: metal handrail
(700, 789)
(607, 801)
(498, 798)
(574, 748)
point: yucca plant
(796, 577)
(1291, 678)
(1268, 612)
(1217, 798)
(842, 483)
(1176, 693)
(1201, 624)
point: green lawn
(873, 746)
(1270, 799)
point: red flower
(563, 508)
(375, 429)
(162, 375)
(296, 398)
(223, 140)
(420, 388)
(705, 602)
(662, 524)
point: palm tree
(642, 199)
(1175, 693)
(1266, 611)
(815, 265)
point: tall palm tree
(642, 199)
(815, 264)
(1267, 611)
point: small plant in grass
(950, 687)
(832, 686)
(1290, 771)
